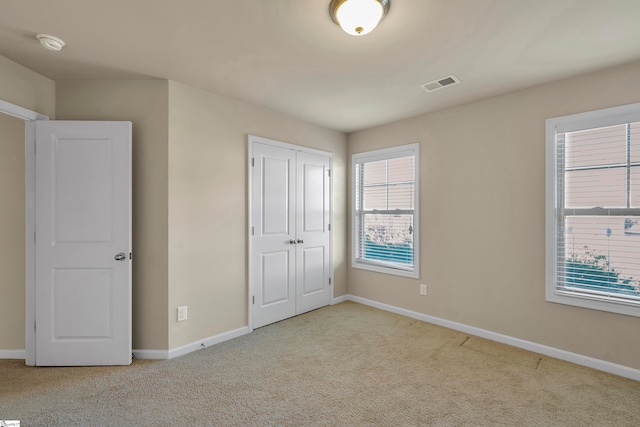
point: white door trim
(20, 112)
(258, 139)
(30, 240)
(30, 226)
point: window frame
(560, 125)
(377, 155)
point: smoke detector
(50, 42)
(440, 83)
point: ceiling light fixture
(50, 42)
(358, 17)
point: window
(385, 216)
(593, 210)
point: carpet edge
(578, 359)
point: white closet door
(312, 225)
(290, 211)
(273, 221)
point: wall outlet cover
(182, 313)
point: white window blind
(385, 210)
(596, 240)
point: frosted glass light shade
(358, 17)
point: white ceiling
(289, 56)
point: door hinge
(329, 225)
(34, 237)
(329, 280)
(130, 255)
(329, 172)
(254, 299)
(253, 231)
(253, 162)
(34, 326)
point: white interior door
(312, 225)
(290, 242)
(273, 220)
(83, 243)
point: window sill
(414, 274)
(595, 304)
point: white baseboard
(13, 354)
(151, 354)
(578, 359)
(340, 299)
(191, 347)
(204, 343)
(157, 354)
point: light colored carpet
(344, 365)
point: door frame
(261, 140)
(29, 118)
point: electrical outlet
(182, 313)
(423, 289)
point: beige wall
(23, 87)
(483, 216)
(145, 104)
(12, 242)
(208, 205)
(27, 89)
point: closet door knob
(300, 241)
(292, 242)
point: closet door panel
(313, 234)
(273, 220)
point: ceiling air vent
(440, 83)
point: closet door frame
(250, 228)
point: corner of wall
(26, 88)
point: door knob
(292, 242)
(120, 257)
(300, 241)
